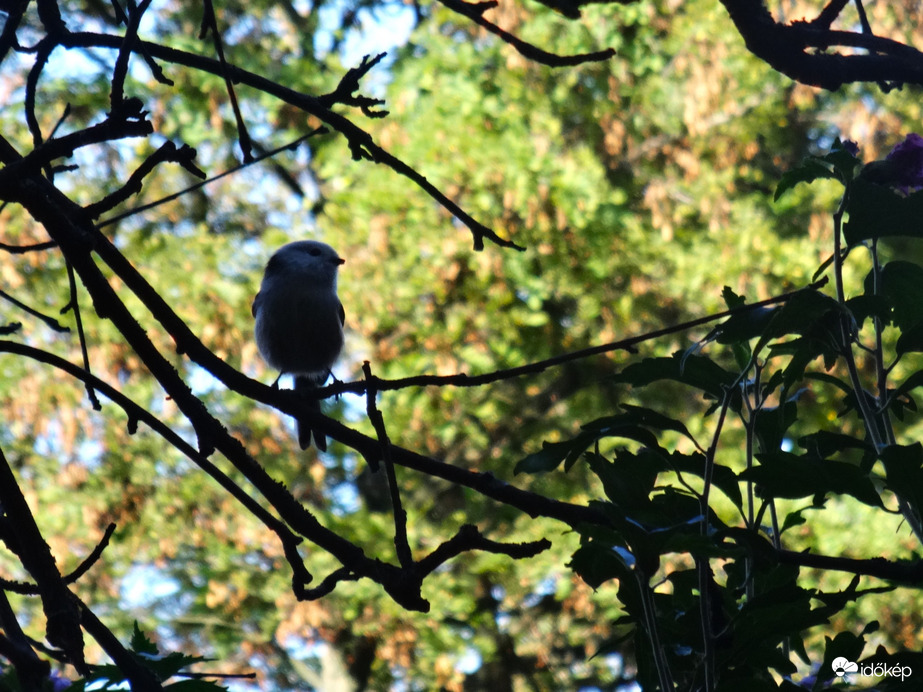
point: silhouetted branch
(176, 195)
(23, 249)
(829, 14)
(31, 671)
(628, 344)
(475, 12)
(349, 84)
(401, 545)
(117, 91)
(360, 142)
(469, 538)
(168, 152)
(74, 304)
(210, 24)
(141, 679)
(93, 557)
(49, 321)
(137, 413)
(62, 628)
(903, 572)
(108, 130)
(799, 50)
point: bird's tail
(306, 383)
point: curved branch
(360, 142)
(137, 413)
(785, 47)
(475, 12)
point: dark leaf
(867, 306)
(824, 443)
(901, 285)
(904, 471)
(597, 563)
(910, 340)
(699, 372)
(811, 169)
(877, 211)
(140, 643)
(782, 474)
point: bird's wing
(342, 312)
(256, 304)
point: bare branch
(469, 538)
(117, 93)
(168, 152)
(628, 344)
(786, 48)
(475, 12)
(349, 84)
(401, 544)
(210, 24)
(31, 671)
(49, 321)
(74, 304)
(138, 413)
(27, 543)
(360, 142)
(176, 195)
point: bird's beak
(339, 260)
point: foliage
(636, 164)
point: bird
(298, 320)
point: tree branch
(360, 142)
(475, 12)
(785, 47)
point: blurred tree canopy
(545, 209)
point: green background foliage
(639, 186)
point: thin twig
(628, 344)
(176, 195)
(50, 321)
(210, 23)
(74, 304)
(475, 12)
(401, 544)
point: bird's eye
(314, 251)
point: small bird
(299, 319)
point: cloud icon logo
(842, 666)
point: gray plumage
(299, 319)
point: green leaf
(802, 314)
(844, 162)
(552, 454)
(771, 423)
(910, 340)
(140, 643)
(731, 299)
(844, 645)
(912, 382)
(824, 444)
(867, 305)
